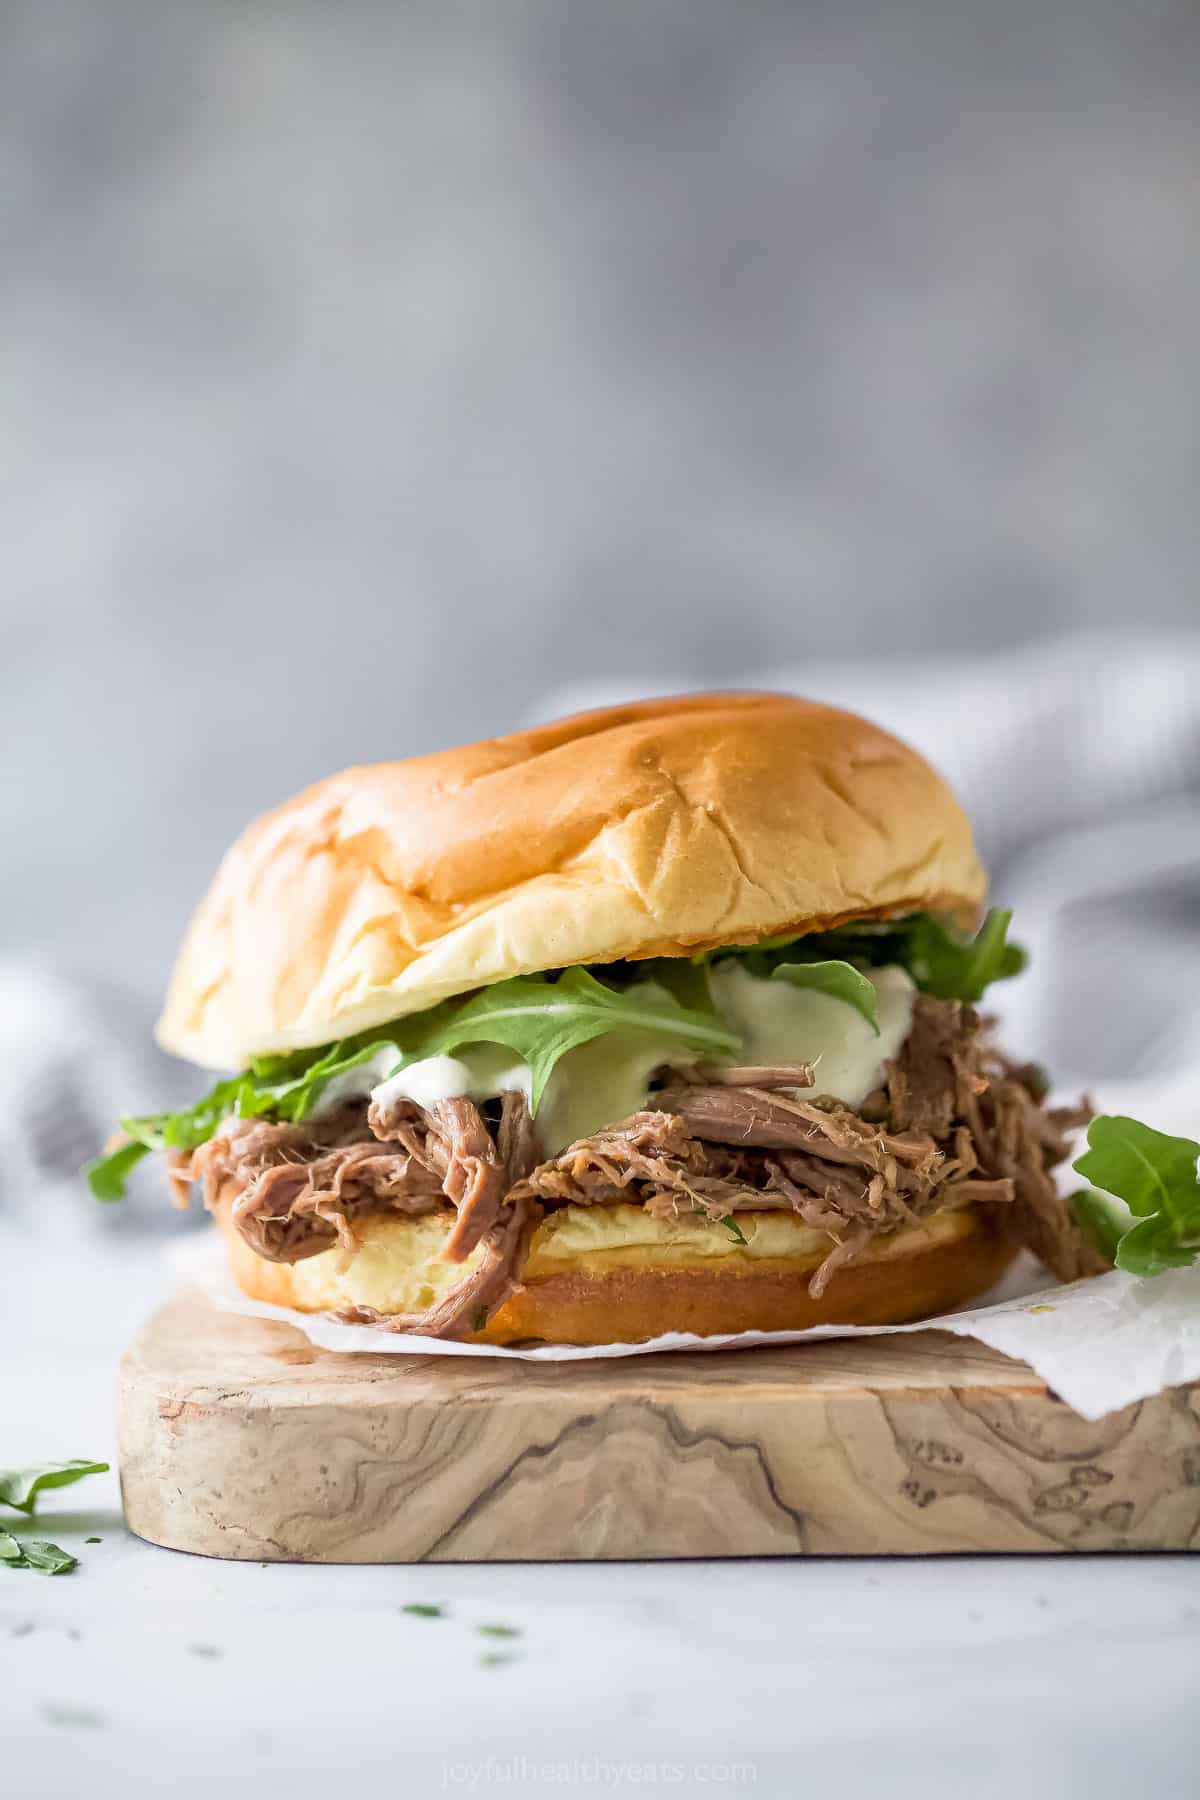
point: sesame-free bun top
(654, 829)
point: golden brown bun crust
(650, 829)
(632, 1304)
(593, 1304)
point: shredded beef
(300, 1187)
(452, 1137)
(956, 1124)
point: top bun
(654, 829)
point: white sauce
(480, 1073)
(780, 1023)
(609, 1078)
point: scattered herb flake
(93, 1540)
(421, 1609)
(209, 1650)
(499, 1631)
(497, 1659)
(35, 1553)
(46, 1558)
(734, 1229)
(480, 1320)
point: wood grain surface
(239, 1438)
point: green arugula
(735, 1231)
(942, 959)
(539, 1017)
(20, 1489)
(1147, 1177)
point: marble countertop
(146, 1672)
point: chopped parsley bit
(499, 1631)
(93, 1540)
(497, 1659)
(480, 1320)
(421, 1609)
(209, 1650)
(733, 1228)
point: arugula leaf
(106, 1175)
(841, 980)
(541, 1020)
(941, 958)
(954, 966)
(19, 1488)
(10, 1549)
(1156, 1178)
(734, 1229)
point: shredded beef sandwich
(665, 1017)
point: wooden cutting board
(239, 1438)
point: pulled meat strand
(756, 1075)
(461, 1148)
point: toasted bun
(653, 829)
(611, 1274)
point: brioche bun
(613, 1274)
(654, 829)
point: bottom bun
(612, 1274)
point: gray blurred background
(367, 370)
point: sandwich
(659, 1018)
